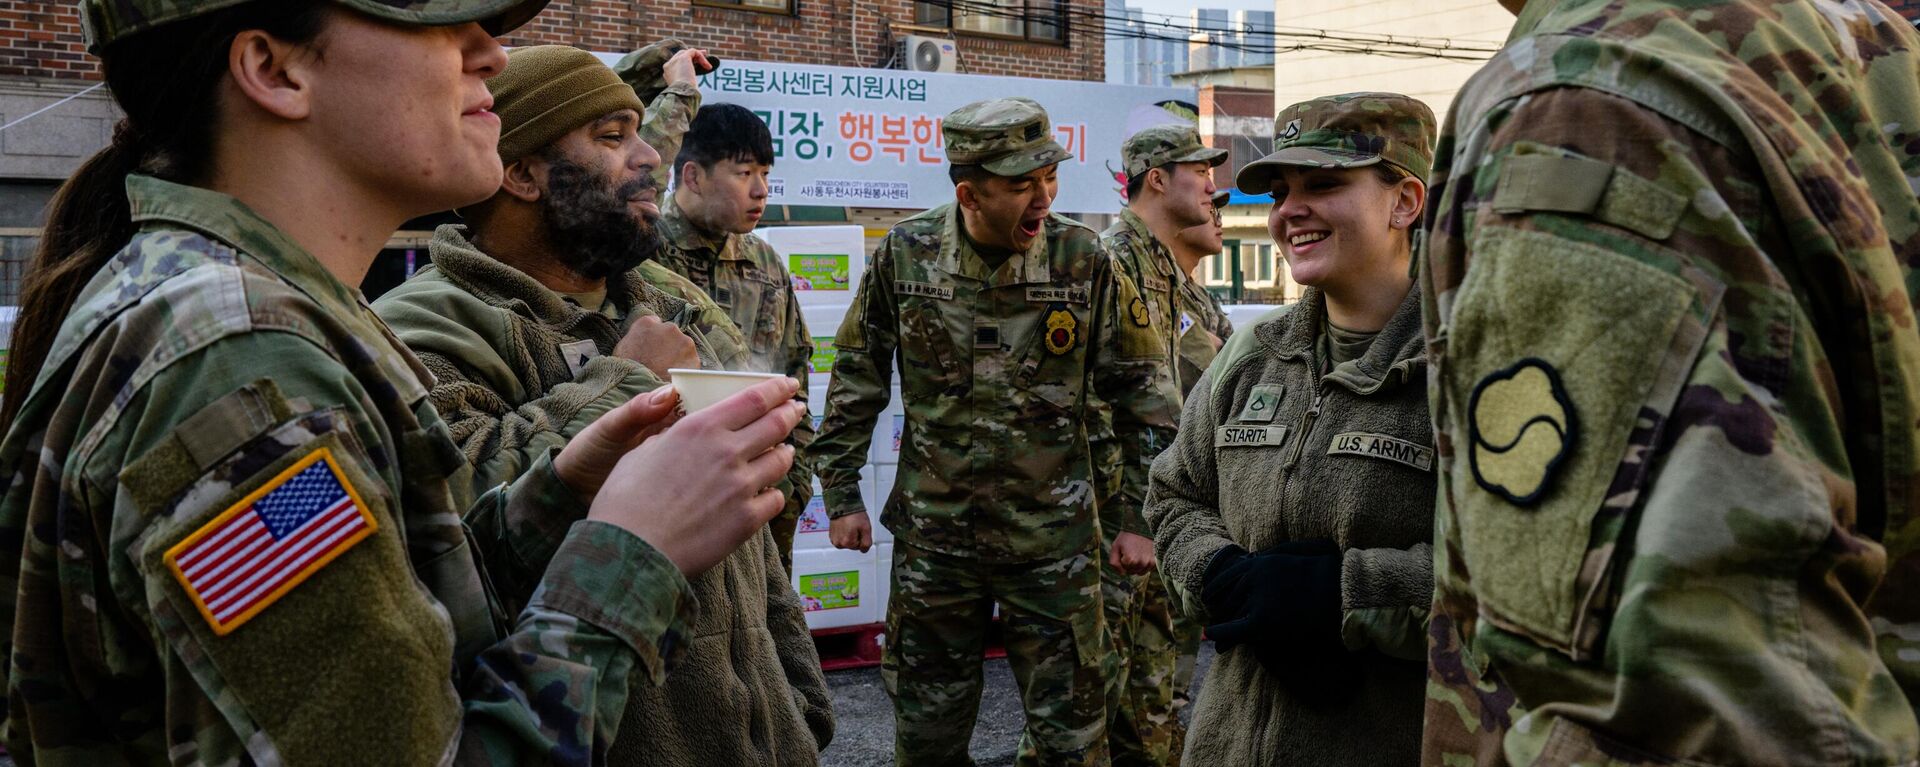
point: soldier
(534, 318)
(1169, 188)
(1678, 523)
(1004, 319)
(719, 193)
(521, 326)
(1295, 509)
(234, 519)
(1199, 344)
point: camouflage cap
(1007, 137)
(1165, 145)
(1352, 130)
(105, 21)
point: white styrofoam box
(823, 321)
(882, 484)
(889, 430)
(883, 583)
(812, 531)
(826, 261)
(836, 587)
(817, 400)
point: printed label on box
(823, 354)
(830, 591)
(814, 518)
(818, 271)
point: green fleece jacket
(1270, 451)
(517, 369)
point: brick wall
(818, 34)
(42, 39)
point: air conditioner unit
(920, 53)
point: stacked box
(826, 262)
(837, 588)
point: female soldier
(1308, 444)
(231, 529)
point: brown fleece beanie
(547, 90)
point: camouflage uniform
(670, 108)
(749, 281)
(1143, 728)
(994, 500)
(208, 356)
(518, 369)
(1678, 523)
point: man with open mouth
(1005, 322)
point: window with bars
(1037, 20)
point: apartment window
(1037, 20)
(763, 6)
(1218, 268)
(1266, 263)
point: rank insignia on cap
(262, 547)
(1291, 132)
(1522, 426)
(1063, 331)
(1137, 309)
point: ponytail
(166, 80)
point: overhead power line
(1247, 38)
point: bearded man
(541, 314)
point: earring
(1396, 222)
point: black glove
(1283, 603)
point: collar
(958, 258)
(496, 283)
(221, 217)
(1400, 344)
(682, 233)
(1160, 258)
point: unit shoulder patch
(1137, 310)
(1384, 447)
(250, 555)
(1522, 427)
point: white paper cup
(700, 388)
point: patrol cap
(1007, 137)
(1352, 130)
(1165, 145)
(105, 21)
(1221, 198)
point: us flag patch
(255, 552)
